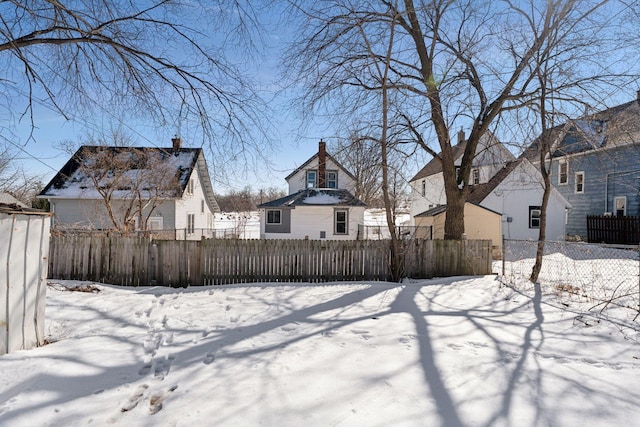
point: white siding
(298, 180)
(521, 189)
(309, 221)
(434, 194)
(192, 203)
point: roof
(145, 167)
(312, 158)
(443, 208)
(478, 192)
(315, 197)
(14, 208)
(8, 199)
(614, 127)
(435, 165)
(489, 151)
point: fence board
(136, 261)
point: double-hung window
(312, 179)
(563, 172)
(191, 223)
(579, 182)
(475, 176)
(190, 186)
(274, 216)
(332, 179)
(341, 221)
(534, 216)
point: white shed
(24, 253)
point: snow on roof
(322, 199)
(150, 168)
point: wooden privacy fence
(136, 261)
(624, 230)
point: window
(332, 179)
(475, 176)
(341, 224)
(154, 223)
(563, 172)
(202, 206)
(620, 204)
(534, 216)
(190, 186)
(424, 187)
(274, 216)
(312, 176)
(191, 223)
(579, 182)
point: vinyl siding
(614, 172)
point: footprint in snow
(156, 399)
(209, 358)
(135, 398)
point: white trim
(575, 184)
(266, 215)
(565, 163)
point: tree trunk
(537, 266)
(454, 219)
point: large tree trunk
(454, 220)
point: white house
(499, 183)
(320, 204)
(164, 190)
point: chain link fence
(604, 276)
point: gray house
(596, 164)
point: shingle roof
(73, 181)
(315, 197)
(435, 165)
(615, 126)
(479, 192)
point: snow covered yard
(455, 352)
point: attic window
(312, 176)
(475, 176)
(332, 179)
(190, 186)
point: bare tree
(131, 182)
(162, 59)
(14, 180)
(361, 156)
(458, 62)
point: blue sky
(39, 150)
(290, 143)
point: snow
(463, 351)
(322, 199)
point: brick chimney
(322, 164)
(460, 136)
(177, 142)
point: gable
(490, 151)
(122, 168)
